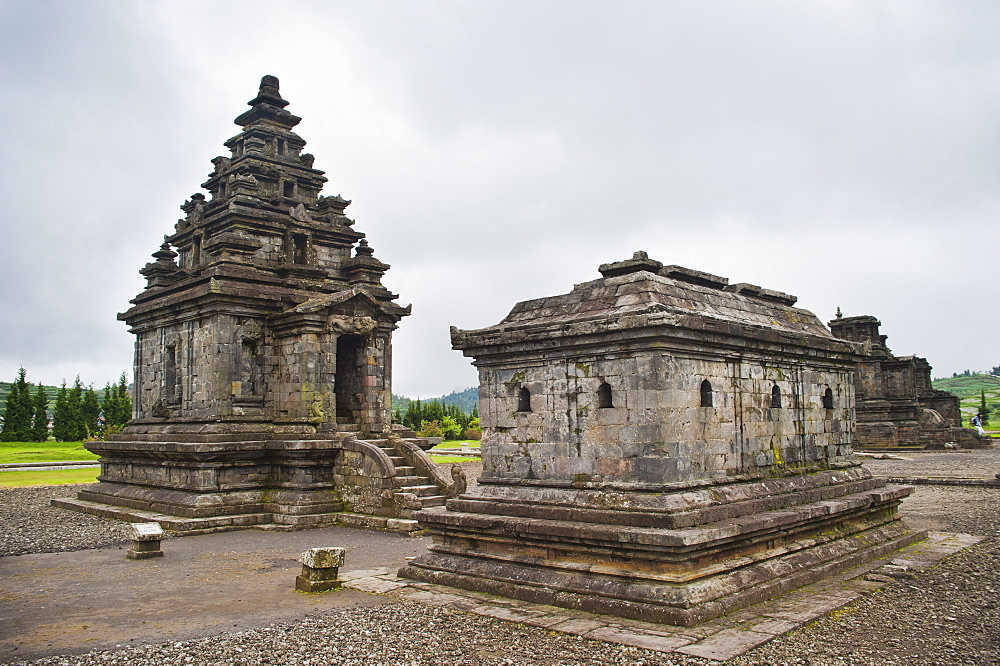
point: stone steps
(417, 485)
(408, 478)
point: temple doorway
(350, 361)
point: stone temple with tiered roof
(263, 359)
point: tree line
(78, 412)
(435, 418)
(995, 371)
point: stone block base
(676, 558)
(144, 550)
(305, 584)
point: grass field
(456, 443)
(443, 460)
(970, 390)
(24, 452)
(52, 477)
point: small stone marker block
(320, 567)
(145, 541)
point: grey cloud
(845, 152)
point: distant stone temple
(896, 406)
(661, 444)
(263, 359)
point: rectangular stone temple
(896, 406)
(263, 359)
(660, 444)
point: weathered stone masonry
(664, 445)
(263, 359)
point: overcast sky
(845, 152)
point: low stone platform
(719, 639)
(680, 558)
(205, 483)
(195, 526)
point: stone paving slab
(945, 481)
(726, 644)
(720, 639)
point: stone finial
(640, 261)
(165, 255)
(164, 270)
(363, 267)
(840, 315)
(268, 108)
(268, 93)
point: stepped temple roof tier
(663, 445)
(263, 358)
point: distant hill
(971, 389)
(50, 392)
(464, 400)
(969, 386)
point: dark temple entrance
(350, 361)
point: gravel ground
(947, 615)
(968, 464)
(29, 525)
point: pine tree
(40, 419)
(61, 415)
(10, 416)
(27, 409)
(90, 412)
(124, 401)
(433, 411)
(413, 415)
(75, 429)
(117, 404)
(17, 415)
(983, 409)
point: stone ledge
(368, 522)
(179, 526)
(719, 639)
(946, 481)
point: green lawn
(441, 460)
(53, 477)
(457, 443)
(19, 452)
